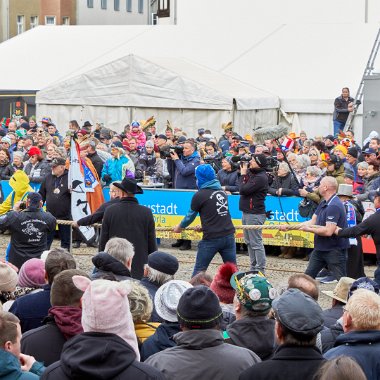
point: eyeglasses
(313, 154)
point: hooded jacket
(10, 368)
(202, 354)
(19, 183)
(184, 174)
(107, 264)
(99, 356)
(229, 180)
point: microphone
(270, 133)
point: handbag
(307, 207)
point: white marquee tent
(305, 65)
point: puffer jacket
(229, 180)
(114, 168)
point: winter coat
(160, 340)
(363, 347)
(254, 333)
(145, 330)
(229, 180)
(202, 354)
(288, 363)
(253, 189)
(139, 136)
(373, 183)
(33, 342)
(31, 309)
(128, 220)
(287, 183)
(97, 162)
(106, 264)
(41, 170)
(330, 316)
(338, 174)
(97, 216)
(328, 336)
(6, 172)
(114, 169)
(29, 229)
(10, 368)
(184, 173)
(99, 356)
(58, 204)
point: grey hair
(308, 142)
(363, 165)
(303, 161)
(119, 248)
(156, 276)
(314, 171)
(284, 166)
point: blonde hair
(364, 309)
(140, 303)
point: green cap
(253, 291)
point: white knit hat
(105, 308)
(8, 278)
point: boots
(186, 245)
(290, 253)
(178, 243)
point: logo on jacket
(31, 230)
(221, 205)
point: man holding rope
(329, 249)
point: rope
(199, 228)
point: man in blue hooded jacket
(211, 202)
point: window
(163, 8)
(141, 6)
(154, 18)
(65, 20)
(116, 5)
(103, 4)
(129, 5)
(90, 3)
(33, 21)
(49, 20)
(20, 24)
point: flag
(81, 182)
(287, 144)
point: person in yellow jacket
(19, 182)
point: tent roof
(306, 64)
(158, 82)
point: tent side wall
(189, 119)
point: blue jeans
(254, 241)
(208, 248)
(334, 259)
(64, 233)
(338, 125)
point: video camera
(272, 162)
(174, 148)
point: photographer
(213, 157)
(253, 190)
(184, 176)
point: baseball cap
(369, 151)
(58, 161)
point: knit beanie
(221, 283)
(342, 148)
(105, 308)
(8, 278)
(199, 308)
(34, 151)
(32, 274)
(204, 173)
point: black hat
(162, 137)
(87, 124)
(117, 144)
(34, 199)
(181, 139)
(199, 308)
(299, 313)
(353, 152)
(163, 262)
(201, 131)
(129, 185)
(349, 174)
(260, 159)
(329, 137)
(58, 161)
(369, 151)
(25, 125)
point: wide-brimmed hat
(345, 189)
(341, 289)
(129, 185)
(167, 297)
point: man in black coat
(29, 229)
(129, 220)
(95, 158)
(55, 192)
(370, 226)
(298, 320)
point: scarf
(68, 320)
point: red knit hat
(34, 150)
(221, 286)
